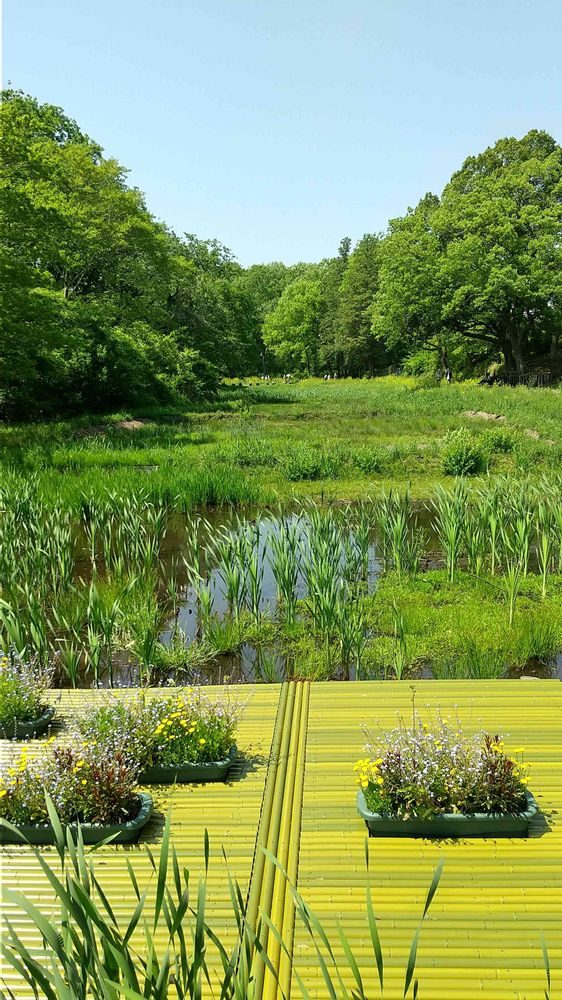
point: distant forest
(103, 306)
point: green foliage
(425, 770)
(500, 440)
(105, 306)
(478, 270)
(22, 688)
(91, 784)
(184, 728)
(291, 330)
(304, 462)
(360, 352)
(461, 455)
(86, 951)
(368, 460)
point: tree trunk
(517, 351)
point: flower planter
(184, 773)
(92, 833)
(17, 730)
(450, 824)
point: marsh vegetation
(134, 580)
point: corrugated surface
(229, 811)
(483, 935)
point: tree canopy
(483, 263)
(103, 305)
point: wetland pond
(235, 589)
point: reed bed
(99, 593)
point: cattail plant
(283, 559)
(400, 653)
(450, 511)
(512, 584)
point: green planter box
(184, 773)
(27, 730)
(92, 833)
(450, 824)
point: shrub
(304, 462)
(422, 772)
(185, 728)
(499, 439)
(249, 452)
(92, 784)
(461, 456)
(22, 688)
(367, 460)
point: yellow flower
(3, 792)
(202, 742)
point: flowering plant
(22, 688)
(184, 728)
(86, 783)
(420, 772)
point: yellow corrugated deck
(483, 935)
(229, 811)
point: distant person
(448, 376)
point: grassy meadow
(258, 443)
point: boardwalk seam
(256, 873)
(288, 922)
(270, 897)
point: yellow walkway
(483, 934)
(295, 797)
(230, 812)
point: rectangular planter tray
(450, 824)
(28, 730)
(92, 833)
(184, 773)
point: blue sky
(279, 126)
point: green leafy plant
(421, 771)
(90, 784)
(461, 454)
(167, 948)
(185, 728)
(23, 683)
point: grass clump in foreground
(168, 949)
